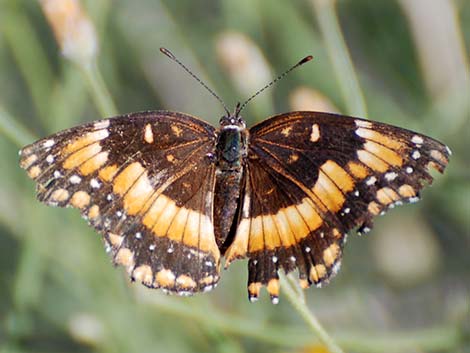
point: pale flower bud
(309, 99)
(406, 250)
(244, 61)
(73, 30)
(86, 328)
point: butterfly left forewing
(145, 183)
(349, 170)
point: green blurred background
(403, 288)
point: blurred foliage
(404, 288)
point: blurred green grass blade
(13, 130)
(29, 275)
(70, 98)
(36, 243)
(98, 91)
(338, 53)
(23, 41)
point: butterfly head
(233, 120)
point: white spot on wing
(417, 140)
(371, 181)
(363, 123)
(315, 135)
(391, 176)
(50, 159)
(99, 134)
(148, 134)
(48, 143)
(75, 179)
(208, 288)
(95, 184)
(415, 155)
(102, 124)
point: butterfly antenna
(301, 62)
(173, 57)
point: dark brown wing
(312, 177)
(145, 182)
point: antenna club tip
(167, 52)
(305, 60)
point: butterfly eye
(241, 122)
(224, 119)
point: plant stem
(298, 302)
(338, 52)
(99, 91)
(31, 59)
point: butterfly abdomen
(231, 152)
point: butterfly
(172, 195)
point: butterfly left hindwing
(312, 177)
(142, 180)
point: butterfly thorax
(231, 150)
